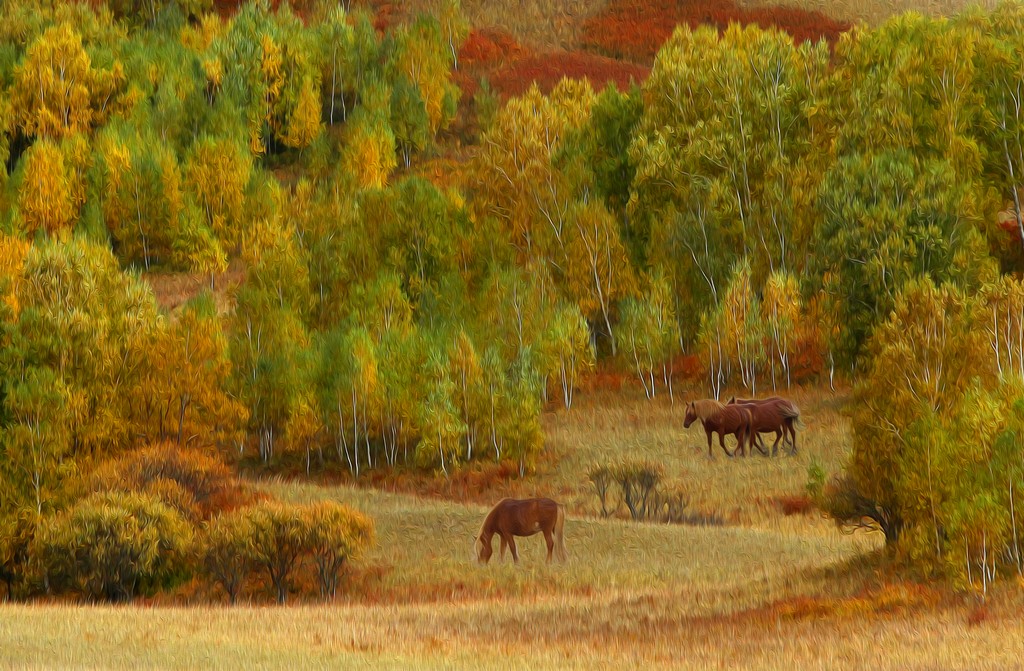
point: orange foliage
(195, 483)
(636, 29)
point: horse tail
(793, 412)
(559, 533)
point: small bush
(843, 501)
(670, 503)
(279, 537)
(602, 479)
(645, 494)
(114, 546)
(794, 505)
(638, 480)
(336, 533)
(225, 553)
(815, 486)
(16, 534)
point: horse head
(691, 415)
(481, 551)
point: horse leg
(779, 435)
(755, 441)
(721, 441)
(550, 541)
(792, 433)
(504, 544)
(512, 545)
(710, 455)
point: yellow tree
(303, 124)
(422, 55)
(597, 270)
(143, 202)
(217, 172)
(1004, 301)
(780, 314)
(369, 151)
(56, 91)
(925, 361)
(517, 182)
(12, 260)
(92, 324)
(465, 372)
(186, 391)
(51, 190)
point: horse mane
(707, 408)
(490, 518)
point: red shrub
(488, 46)
(636, 29)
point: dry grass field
(763, 591)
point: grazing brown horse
(720, 419)
(771, 415)
(521, 517)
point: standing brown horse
(720, 419)
(771, 415)
(521, 517)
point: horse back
(524, 517)
(732, 418)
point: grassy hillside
(766, 591)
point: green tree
(36, 443)
(441, 429)
(912, 218)
(571, 351)
(92, 325)
(927, 412)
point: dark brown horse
(771, 415)
(521, 517)
(720, 419)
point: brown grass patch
(977, 615)
(174, 289)
(887, 600)
(794, 504)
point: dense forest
(776, 211)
